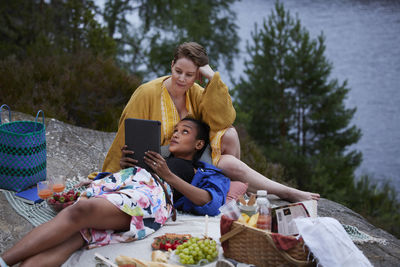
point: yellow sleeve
(213, 105)
(143, 104)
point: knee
(230, 143)
(79, 211)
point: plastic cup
(44, 189)
(230, 210)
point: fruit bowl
(60, 201)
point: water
(363, 43)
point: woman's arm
(213, 105)
(196, 195)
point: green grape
(195, 250)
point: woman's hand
(83, 183)
(207, 72)
(158, 164)
(125, 161)
(197, 195)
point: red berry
(167, 246)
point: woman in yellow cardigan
(170, 98)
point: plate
(174, 259)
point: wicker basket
(254, 246)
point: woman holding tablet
(130, 204)
(170, 98)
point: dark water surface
(363, 43)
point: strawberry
(167, 246)
(71, 191)
(56, 196)
(61, 199)
(162, 245)
(71, 198)
(52, 201)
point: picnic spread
(235, 239)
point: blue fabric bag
(22, 152)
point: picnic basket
(22, 152)
(255, 246)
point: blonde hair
(192, 51)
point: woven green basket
(22, 152)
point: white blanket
(185, 224)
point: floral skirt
(137, 193)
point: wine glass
(58, 184)
(44, 189)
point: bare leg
(230, 144)
(57, 255)
(86, 213)
(237, 170)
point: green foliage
(252, 155)
(80, 89)
(41, 28)
(294, 111)
(377, 203)
(165, 24)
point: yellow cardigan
(151, 101)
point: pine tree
(294, 110)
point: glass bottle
(264, 210)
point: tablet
(141, 136)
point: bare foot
(295, 195)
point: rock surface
(74, 152)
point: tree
(165, 24)
(39, 28)
(294, 111)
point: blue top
(211, 179)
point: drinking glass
(44, 189)
(58, 184)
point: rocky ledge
(74, 152)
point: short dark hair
(203, 133)
(193, 51)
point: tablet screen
(141, 136)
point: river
(363, 44)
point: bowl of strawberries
(60, 201)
